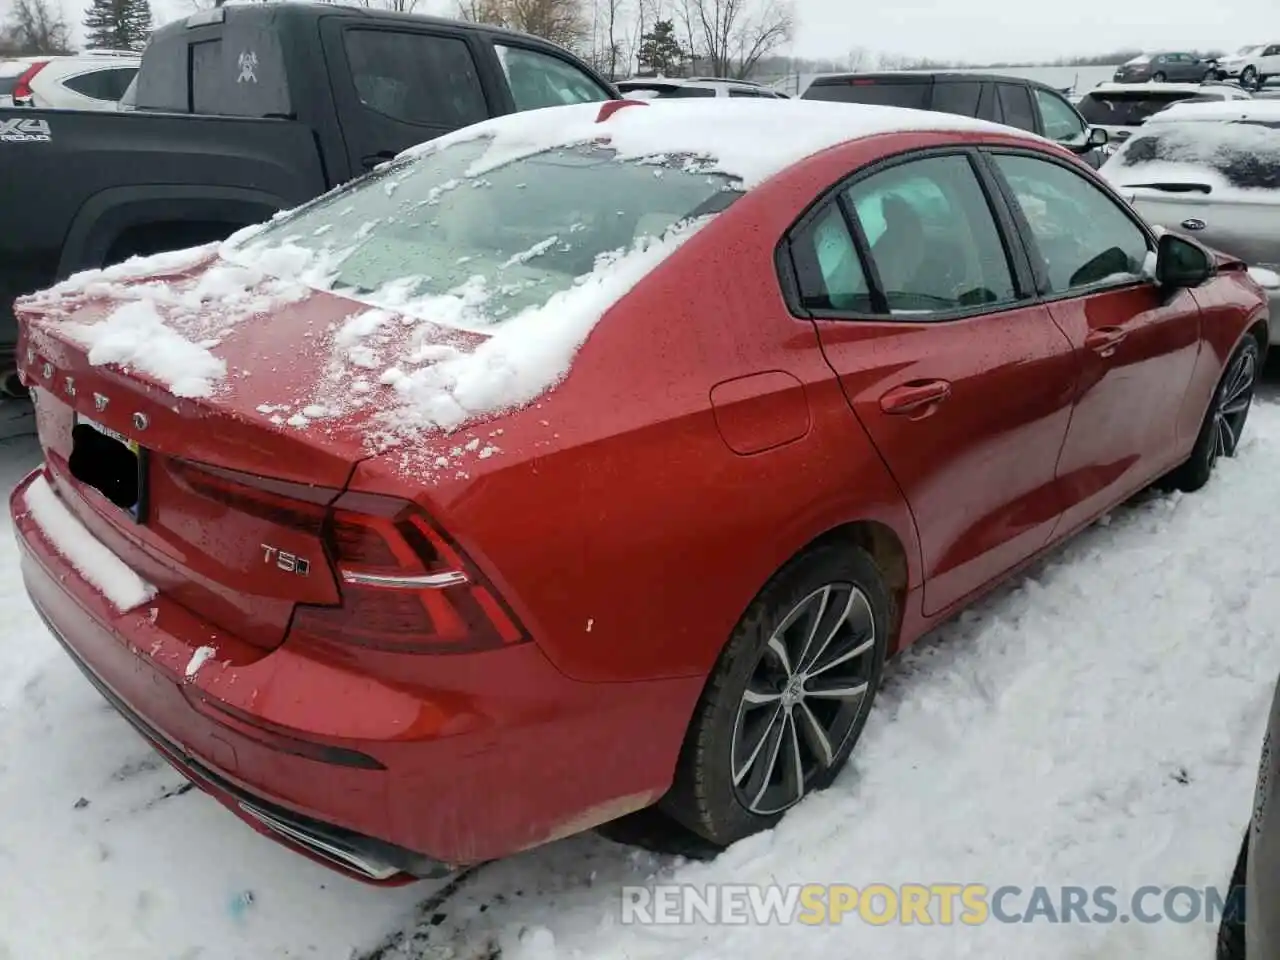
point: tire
(1210, 76)
(1248, 76)
(1158, 78)
(1231, 942)
(833, 590)
(1224, 420)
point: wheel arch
(879, 541)
(136, 211)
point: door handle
(1104, 340)
(915, 394)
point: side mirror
(1098, 137)
(1181, 263)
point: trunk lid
(108, 374)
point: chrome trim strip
(348, 858)
(430, 581)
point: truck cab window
(417, 78)
(541, 80)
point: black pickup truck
(244, 110)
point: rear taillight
(22, 93)
(405, 585)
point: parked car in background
(663, 88)
(443, 571)
(1166, 67)
(1211, 171)
(1253, 66)
(1121, 109)
(1025, 104)
(94, 80)
(245, 110)
(1250, 925)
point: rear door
(962, 380)
(397, 85)
(1137, 344)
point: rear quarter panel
(622, 528)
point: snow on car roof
(1141, 89)
(750, 139)
(1220, 111)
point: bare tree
(560, 21)
(38, 27)
(858, 59)
(612, 26)
(735, 34)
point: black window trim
(1011, 239)
(1029, 245)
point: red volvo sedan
(598, 457)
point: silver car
(1211, 171)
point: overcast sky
(980, 30)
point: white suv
(1251, 65)
(652, 88)
(93, 80)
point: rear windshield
(667, 92)
(874, 92)
(1125, 109)
(1245, 154)
(476, 250)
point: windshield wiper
(1171, 187)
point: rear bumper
(459, 760)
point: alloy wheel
(1233, 404)
(804, 697)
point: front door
(398, 86)
(962, 382)
(1137, 344)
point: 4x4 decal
(25, 131)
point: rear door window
(107, 85)
(959, 97)
(933, 239)
(1015, 102)
(913, 94)
(539, 79)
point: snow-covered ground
(1096, 722)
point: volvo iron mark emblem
(1193, 223)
